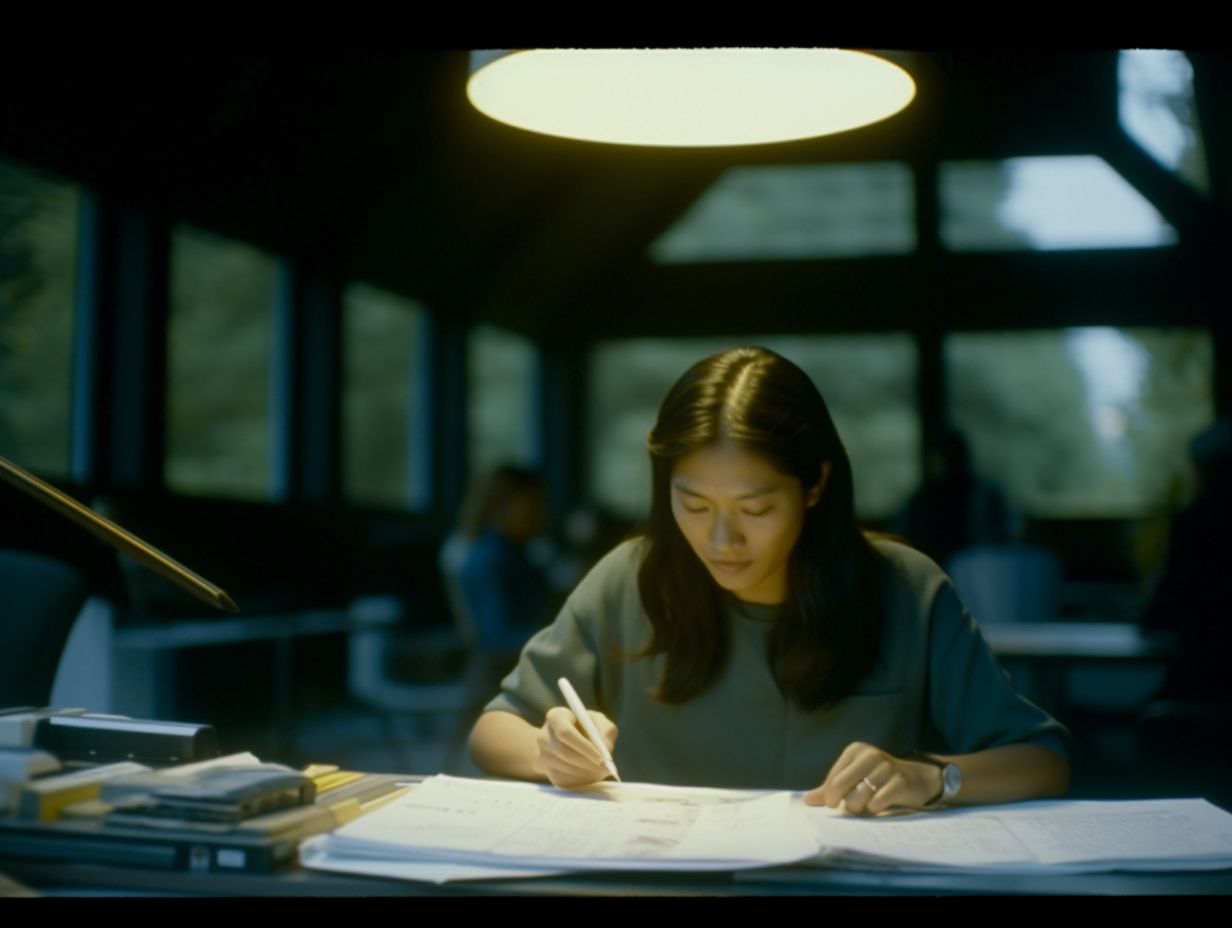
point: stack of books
(232, 814)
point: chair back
(1008, 582)
(39, 601)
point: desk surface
(196, 633)
(81, 879)
(1096, 641)
(70, 878)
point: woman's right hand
(566, 756)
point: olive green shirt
(937, 688)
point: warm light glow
(689, 97)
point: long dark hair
(827, 636)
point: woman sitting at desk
(755, 638)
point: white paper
(449, 828)
(938, 839)
(612, 827)
(315, 853)
(1046, 836)
(1166, 831)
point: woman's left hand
(872, 780)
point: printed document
(450, 828)
(613, 826)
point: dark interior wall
(370, 165)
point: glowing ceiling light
(687, 97)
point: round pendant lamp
(687, 97)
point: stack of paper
(450, 828)
(1054, 836)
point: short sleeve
(593, 627)
(972, 703)
(560, 650)
(501, 594)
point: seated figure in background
(493, 585)
(1193, 592)
(954, 508)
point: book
(17, 767)
(43, 799)
(97, 831)
(220, 794)
(195, 849)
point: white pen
(588, 725)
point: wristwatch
(951, 780)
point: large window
(218, 423)
(384, 458)
(1048, 203)
(1156, 108)
(38, 255)
(793, 211)
(501, 394)
(1082, 422)
(868, 382)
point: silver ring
(869, 783)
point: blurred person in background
(1194, 593)
(954, 508)
(499, 592)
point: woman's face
(741, 517)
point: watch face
(951, 777)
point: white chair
(41, 599)
(435, 678)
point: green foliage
(383, 361)
(219, 334)
(38, 253)
(501, 399)
(1037, 426)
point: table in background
(1052, 649)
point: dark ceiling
(373, 165)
